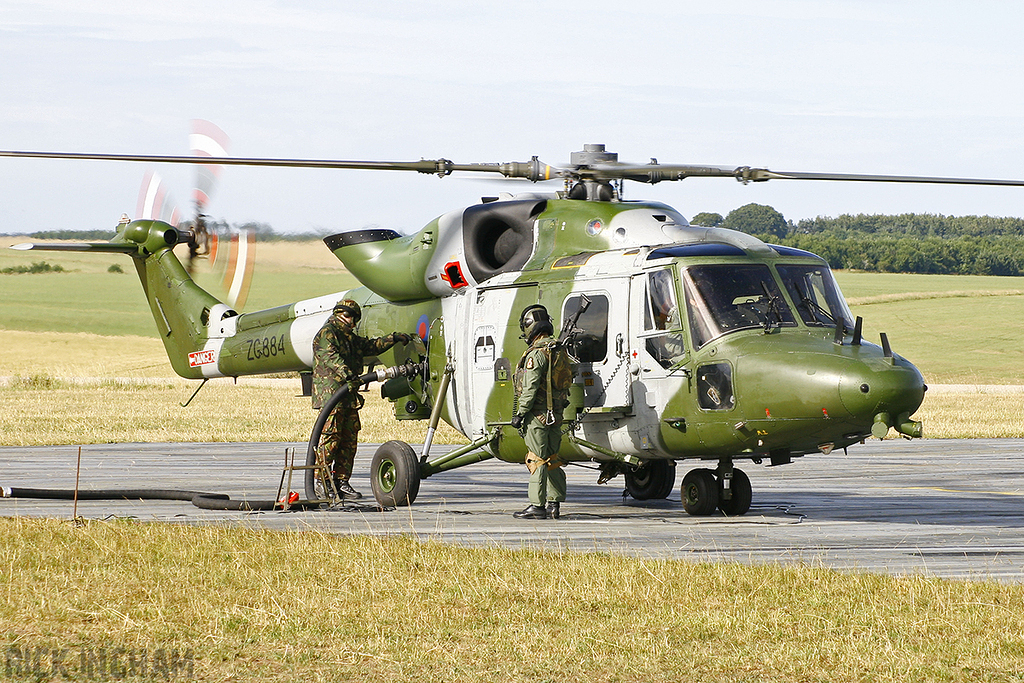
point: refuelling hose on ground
(407, 370)
(205, 501)
(220, 501)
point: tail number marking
(264, 347)
(197, 358)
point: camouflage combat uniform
(543, 431)
(338, 354)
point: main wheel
(742, 493)
(395, 474)
(654, 479)
(699, 492)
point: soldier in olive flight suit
(542, 381)
(338, 354)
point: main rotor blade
(532, 170)
(655, 173)
(762, 174)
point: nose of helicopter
(889, 389)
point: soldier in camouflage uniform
(542, 381)
(338, 354)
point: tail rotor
(235, 261)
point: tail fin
(182, 310)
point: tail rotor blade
(238, 273)
(206, 140)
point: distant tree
(72, 235)
(757, 219)
(263, 231)
(996, 264)
(708, 220)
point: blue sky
(925, 88)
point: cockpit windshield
(723, 298)
(816, 295)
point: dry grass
(82, 354)
(268, 606)
(976, 414)
(921, 296)
(45, 410)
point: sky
(859, 86)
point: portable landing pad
(949, 508)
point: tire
(699, 492)
(395, 474)
(741, 495)
(654, 479)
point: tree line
(904, 243)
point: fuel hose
(407, 370)
(205, 501)
(220, 501)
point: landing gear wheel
(395, 474)
(654, 479)
(699, 492)
(741, 495)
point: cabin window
(724, 298)
(662, 321)
(816, 295)
(589, 340)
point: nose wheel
(703, 491)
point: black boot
(532, 512)
(552, 509)
(346, 490)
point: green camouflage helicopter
(691, 343)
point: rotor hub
(592, 154)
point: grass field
(87, 322)
(246, 605)
(956, 329)
(88, 298)
(251, 605)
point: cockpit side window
(589, 343)
(663, 312)
(662, 323)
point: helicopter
(688, 342)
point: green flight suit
(338, 354)
(542, 432)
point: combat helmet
(535, 321)
(348, 306)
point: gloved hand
(401, 337)
(517, 421)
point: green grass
(253, 605)
(87, 297)
(956, 329)
(857, 284)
